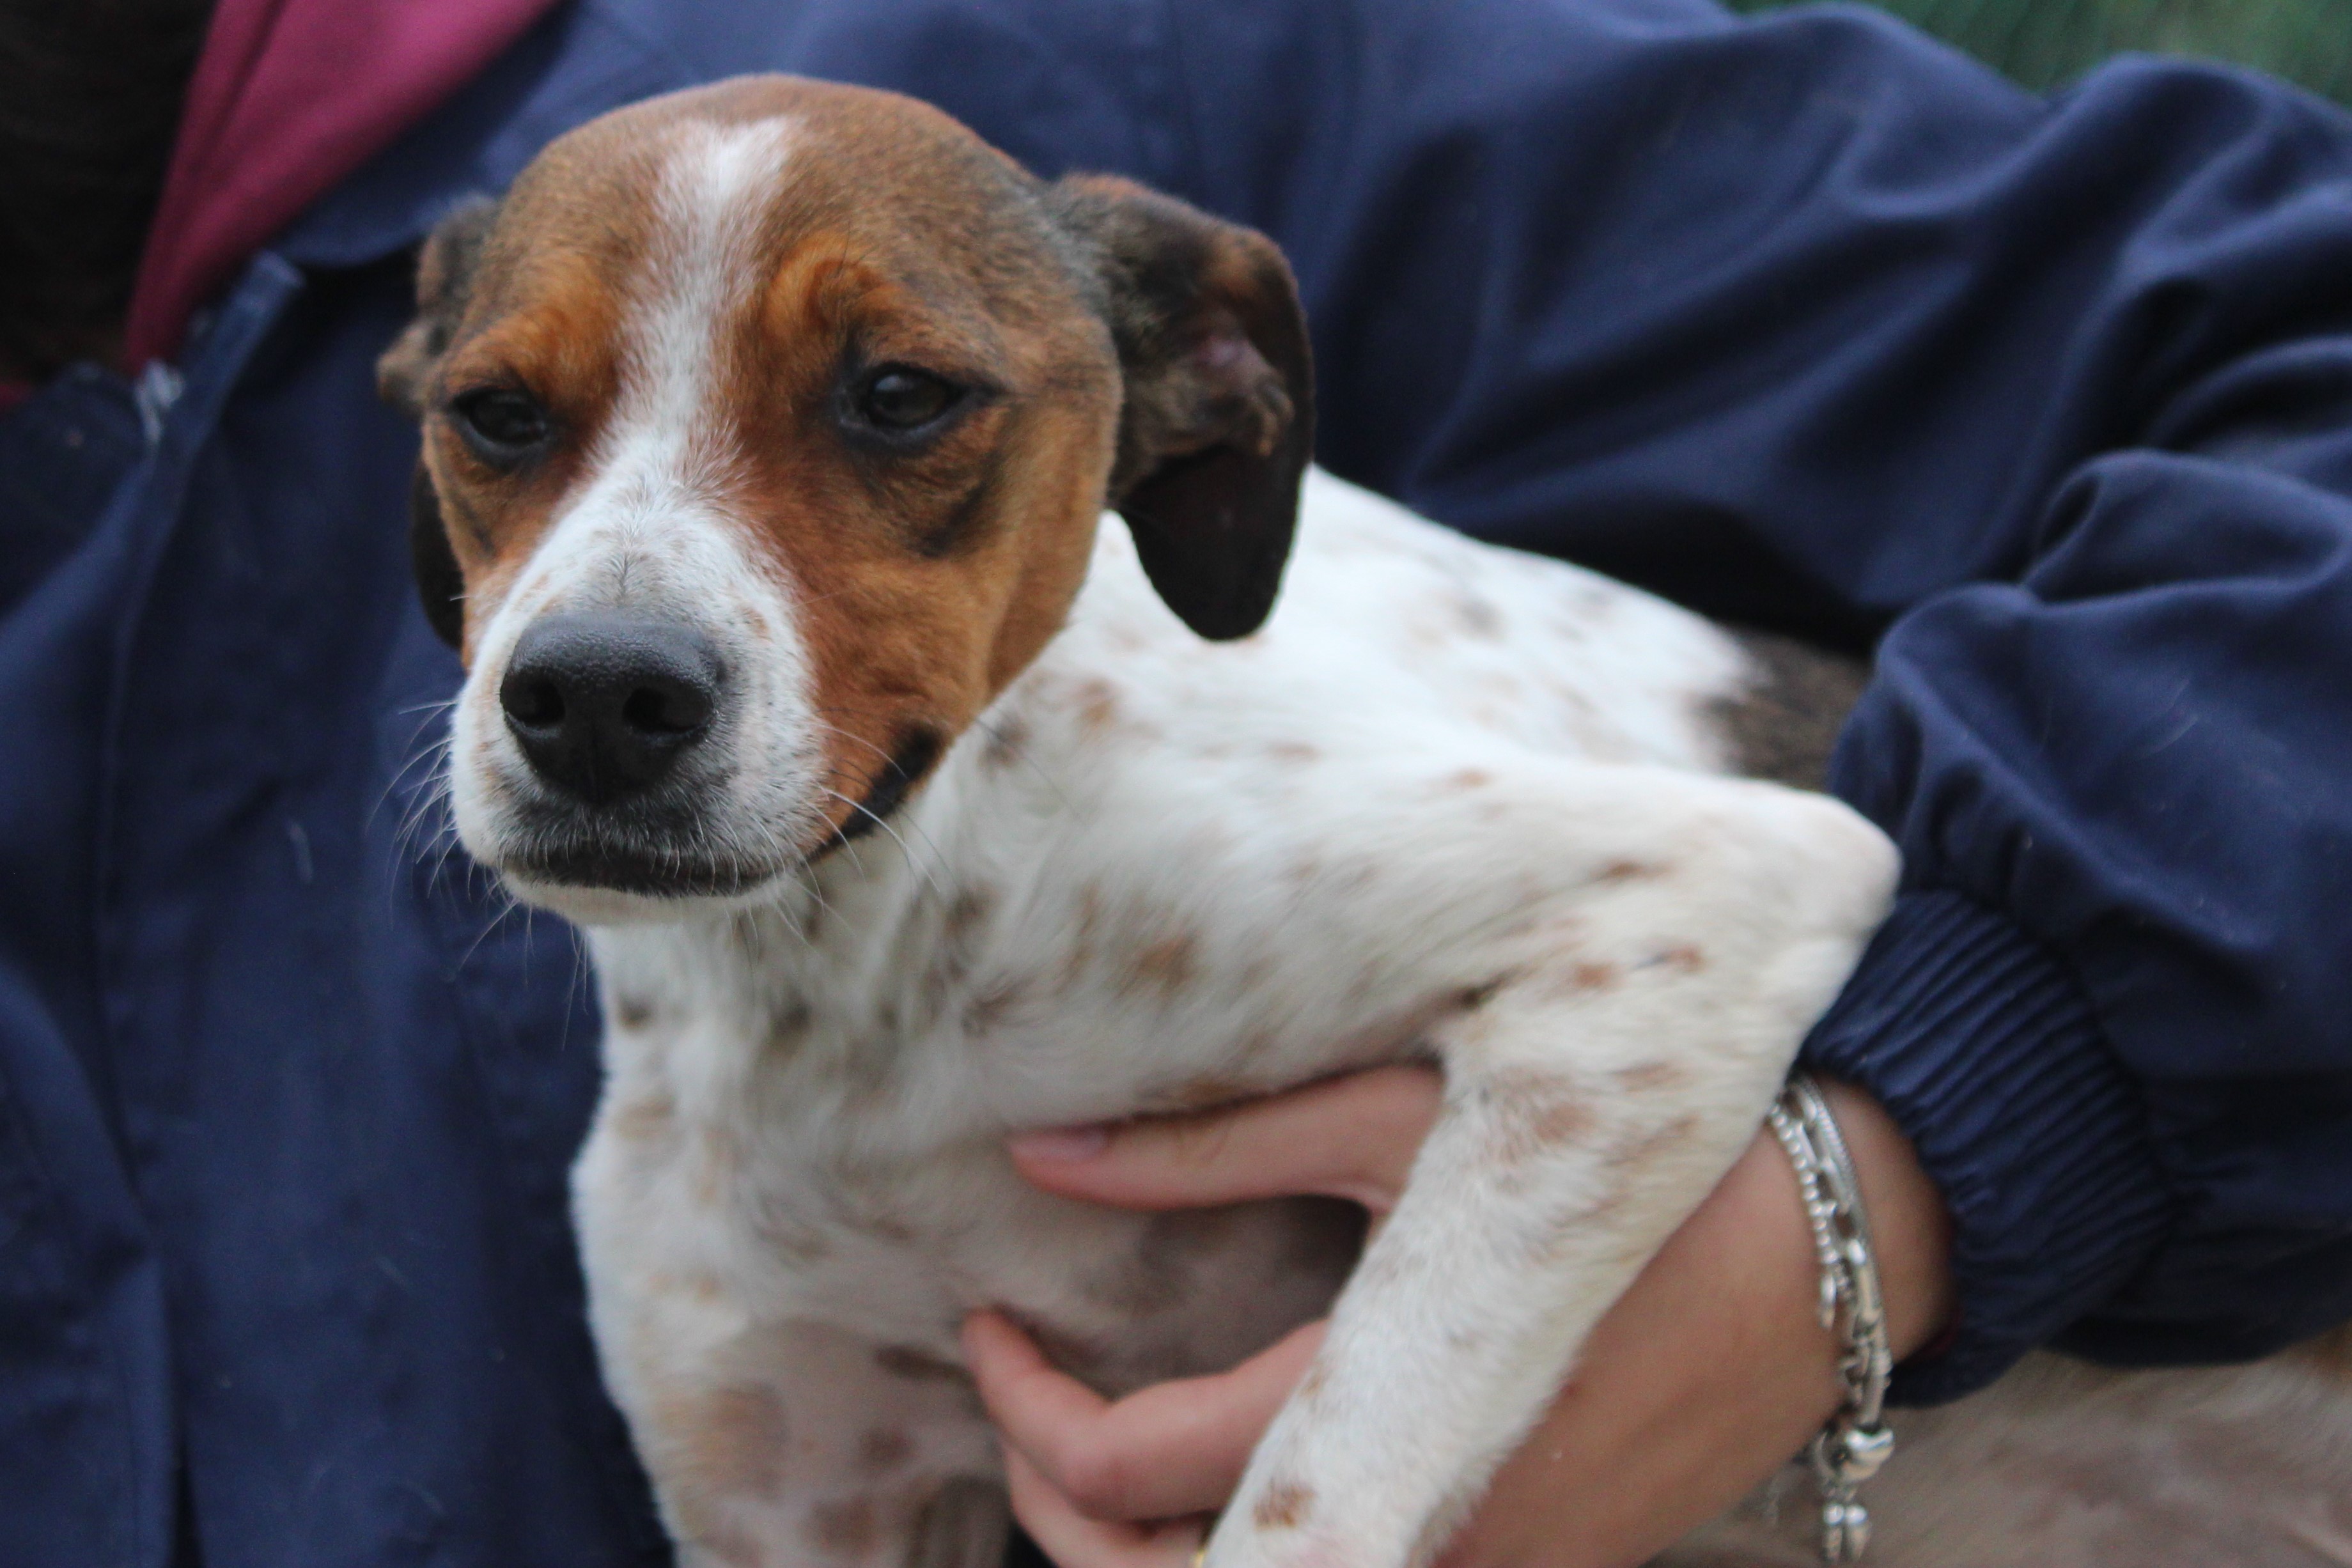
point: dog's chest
(1158, 874)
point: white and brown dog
(768, 430)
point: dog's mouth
(663, 849)
(608, 868)
(669, 847)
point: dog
(770, 430)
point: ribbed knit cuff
(1984, 1050)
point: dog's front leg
(1598, 1085)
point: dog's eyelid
(477, 386)
(967, 382)
(502, 401)
(954, 358)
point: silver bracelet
(1848, 1450)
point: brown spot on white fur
(1008, 741)
(726, 1442)
(1085, 936)
(1531, 1114)
(969, 907)
(1652, 1077)
(884, 1448)
(1095, 702)
(1591, 977)
(845, 1528)
(1624, 1160)
(718, 1160)
(789, 1024)
(1632, 1153)
(650, 1119)
(1470, 998)
(998, 1003)
(793, 1238)
(1165, 965)
(1285, 1505)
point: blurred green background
(2048, 43)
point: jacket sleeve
(1812, 323)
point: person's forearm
(1712, 1370)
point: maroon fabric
(290, 96)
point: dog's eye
(501, 425)
(900, 399)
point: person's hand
(1709, 1373)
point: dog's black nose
(604, 705)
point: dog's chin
(601, 885)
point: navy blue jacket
(1808, 323)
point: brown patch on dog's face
(934, 569)
(539, 323)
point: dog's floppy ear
(445, 280)
(445, 276)
(1219, 418)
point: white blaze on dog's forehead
(710, 205)
(655, 520)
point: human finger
(1353, 1137)
(1074, 1541)
(1172, 1448)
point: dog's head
(766, 429)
